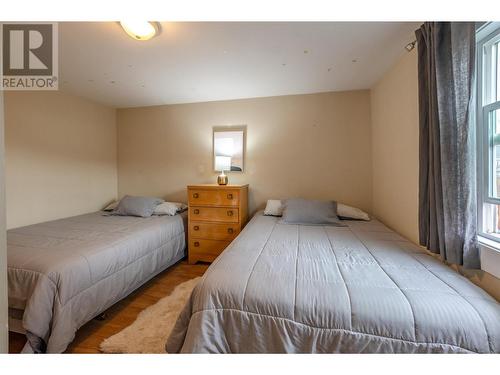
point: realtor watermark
(29, 58)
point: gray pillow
(310, 212)
(136, 206)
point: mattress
(320, 289)
(63, 273)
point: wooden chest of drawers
(216, 216)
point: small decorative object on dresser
(216, 216)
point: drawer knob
(196, 244)
(196, 195)
(196, 227)
(196, 211)
(230, 196)
(230, 230)
(229, 213)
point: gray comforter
(63, 273)
(361, 288)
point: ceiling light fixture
(141, 30)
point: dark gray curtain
(447, 195)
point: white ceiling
(196, 62)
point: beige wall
(394, 105)
(315, 146)
(4, 336)
(60, 156)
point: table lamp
(222, 163)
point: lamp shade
(224, 146)
(222, 163)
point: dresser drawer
(220, 214)
(205, 250)
(198, 197)
(210, 231)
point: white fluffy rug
(149, 332)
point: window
(488, 116)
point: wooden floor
(123, 313)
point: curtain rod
(410, 46)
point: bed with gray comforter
(324, 289)
(63, 273)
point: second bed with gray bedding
(63, 273)
(324, 289)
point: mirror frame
(230, 128)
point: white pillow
(111, 206)
(349, 212)
(169, 208)
(274, 207)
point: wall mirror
(229, 148)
